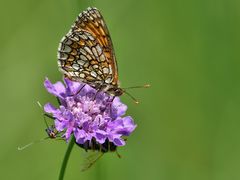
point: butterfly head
(115, 91)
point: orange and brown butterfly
(86, 53)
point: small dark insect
(52, 132)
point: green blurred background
(188, 121)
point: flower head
(88, 114)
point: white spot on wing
(97, 13)
(81, 62)
(67, 41)
(62, 56)
(108, 80)
(71, 73)
(90, 37)
(66, 48)
(75, 66)
(83, 57)
(93, 73)
(83, 51)
(81, 75)
(88, 50)
(105, 70)
(95, 66)
(100, 72)
(76, 38)
(90, 17)
(76, 73)
(94, 15)
(110, 69)
(99, 49)
(94, 51)
(89, 57)
(59, 63)
(102, 58)
(101, 21)
(86, 64)
(83, 36)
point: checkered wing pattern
(86, 53)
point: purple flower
(88, 114)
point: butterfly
(86, 53)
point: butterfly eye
(118, 92)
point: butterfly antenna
(39, 104)
(20, 148)
(44, 114)
(133, 98)
(135, 87)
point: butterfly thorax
(113, 90)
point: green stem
(66, 157)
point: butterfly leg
(80, 90)
(95, 96)
(59, 101)
(111, 102)
(118, 155)
(51, 130)
(74, 94)
(45, 120)
(49, 116)
(99, 88)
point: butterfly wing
(80, 58)
(86, 53)
(92, 21)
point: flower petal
(72, 87)
(80, 136)
(60, 125)
(68, 133)
(116, 139)
(124, 126)
(56, 89)
(128, 126)
(100, 136)
(49, 108)
(87, 115)
(118, 142)
(118, 108)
